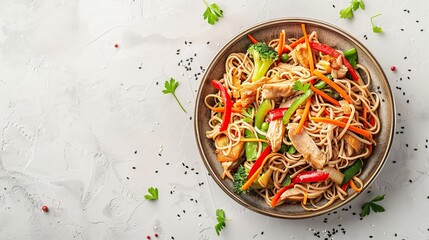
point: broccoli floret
(240, 177)
(263, 56)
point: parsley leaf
(298, 86)
(153, 194)
(354, 5)
(366, 208)
(212, 13)
(170, 87)
(248, 113)
(220, 217)
(375, 28)
(240, 177)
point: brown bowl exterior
(329, 35)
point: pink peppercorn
(116, 45)
(393, 68)
(45, 208)
(148, 237)
(156, 234)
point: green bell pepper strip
(351, 56)
(263, 109)
(352, 170)
(250, 148)
(300, 100)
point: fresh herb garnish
(170, 87)
(220, 216)
(212, 13)
(298, 86)
(354, 5)
(248, 113)
(153, 194)
(240, 177)
(376, 28)
(366, 208)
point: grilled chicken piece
(247, 97)
(275, 134)
(306, 146)
(233, 155)
(340, 73)
(275, 90)
(354, 143)
(301, 54)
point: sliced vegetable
(304, 116)
(284, 57)
(265, 126)
(266, 177)
(352, 184)
(282, 40)
(259, 162)
(310, 53)
(263, 56)
(279, 193)
(334, 86)
(334, 174)
(227, 102)
(357, 130)
(294, 44)
(351, 56)
(252, 39)
(276, 114)
(334, 53)
(291, 150)
(256, 172)
(295, 105)
(352, 170)
(250, 148)
(263, 109)
(325, 96)
(286, 181)
(310, 176)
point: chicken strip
(275, 90)
(275, 134)
(306, 146)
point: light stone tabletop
(85, 128)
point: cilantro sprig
(354, 5)
(366, 208)
(153, 194)
(376, 28)
(298, 86)
(212, 13)
(170, 87)
(220, 217)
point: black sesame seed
(415, 149)
(208, 42)
(134, 167)
(406, 145)
(410, 181)
(156, 171)
(159, 154)
(393, 161)
(333, 5)
(167, 163)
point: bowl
(330, 35)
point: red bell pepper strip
(334, 53)
(345, 186)
(227, 103)
(279, 194)
(310, 176)
(259, 161)
(276, 114)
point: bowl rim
(379, 70)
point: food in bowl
(293, 119)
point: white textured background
(77, 115)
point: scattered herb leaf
(366, 208)
(354, 5)
(298, 86)
(153, 194)
(220, 217)
(170, 87)
(212, 13)
(375, 28)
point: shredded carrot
(253, 140)
(334, 86)
(365, 115)
(282, 40)
(222, 109)
(304, 201)
(294, 44)
(352, 184)
(253, 178)
(310, 53)
(304, 116)
(252, 39)
(325, 96)
(357, 130)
